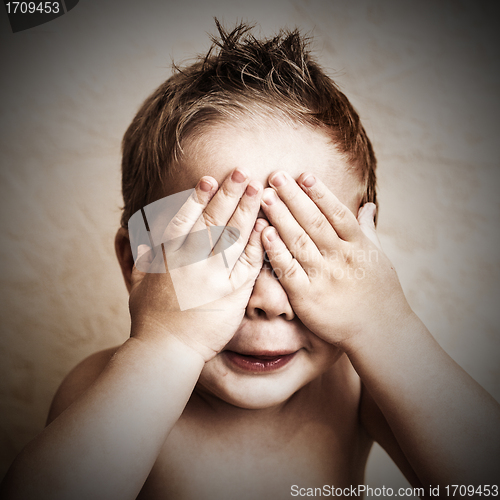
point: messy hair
(239, 75)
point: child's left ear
(124, 255)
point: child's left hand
(338, 281)
(345, 290)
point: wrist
(164, 342)
(190, 332)
(383, 331)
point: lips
(258, 363)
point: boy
(308, 350)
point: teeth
(264, 358)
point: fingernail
(239, 176)
(272, 234)
(251, 190)
(269, 197)
(278, 180)
(309, 181)
(205, 186)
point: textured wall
(425, 80)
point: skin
(270, 322)
(166, 414)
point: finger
(185, 219)
(287, 269)
(250, 262)
(221, 207)
(366, 220)
(141, 264)
(295, 238)
(340, 217)
(234, 238)
(305, 211)
(230, 239)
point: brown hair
(239, 75)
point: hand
(201, 304)
(338, 281)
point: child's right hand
(156, 304)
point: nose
(268, 297)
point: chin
(256, 389)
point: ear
(124, 255)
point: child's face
(270, 326)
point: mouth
(258, 363)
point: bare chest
(248, 460)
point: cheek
(316, 359)
(322, 354)
(213, 374)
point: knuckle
(246, 260)
(229, 236)
(194, 200)
(244, 211)
(318, 222)
(292, 269)
(318, 194)
(338, 211)
(348, 259)
(210, 219)
(300, 242)
(349, 254)
(227, 190)
(180, 220)
(248, 257)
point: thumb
(141, 264)
(366, 220)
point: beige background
(425, 80)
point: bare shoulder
(79, 380)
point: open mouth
(258, 363)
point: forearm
(105, 444)
(446, 424)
